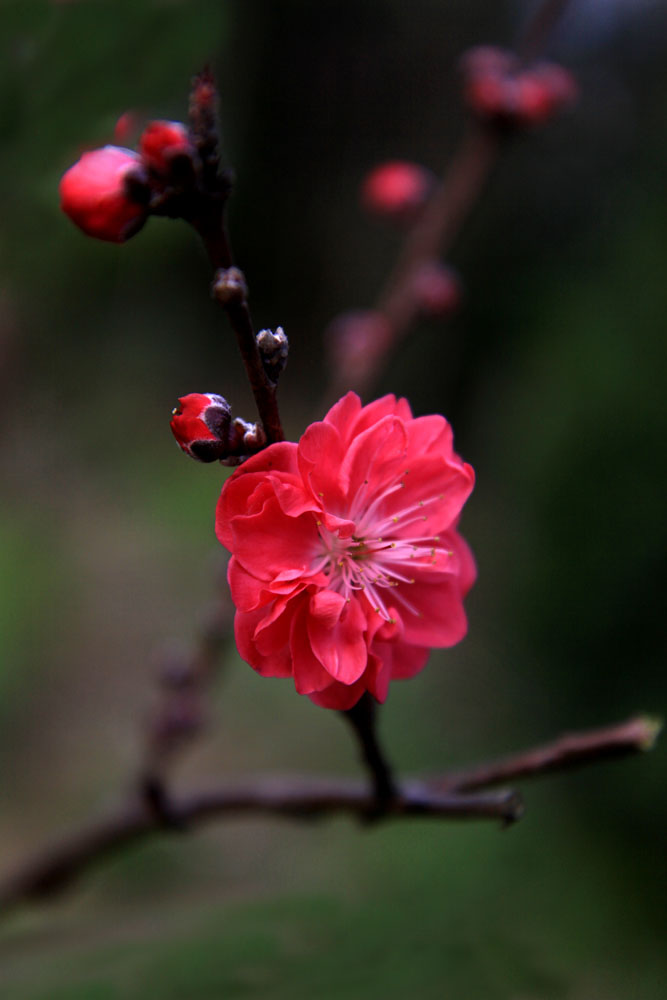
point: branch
(569, 751)
(440, 222)
(297, 798)
(179, 713)
(205, 211)
(230, 290)
(445, 797)
(538, 30)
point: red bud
(200, 424)
(396, 189)
(93, 194)
(161, 141)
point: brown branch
(538, 30)
(433, 235)
(230, 290)
(440, 223)
(446, 797)
(568, 751)
(297, 798)
(205, 208)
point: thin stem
(439, 226)
(230, 290)
(206, 213)
(538, 30)
(443, 217)
(362, 718)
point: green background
(553, 376)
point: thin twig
(538, 30)
(568, 751)
(442, 219)
(230, 290)
(178, 716)
(206, 212)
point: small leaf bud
(95, 195)
(245, 439)
(200, 423)
(273, 348)
(229, 286)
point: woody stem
(362, 718)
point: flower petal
(336, 631)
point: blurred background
(553, 376)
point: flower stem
(362, 718)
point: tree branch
(296, 798)
(446, 797)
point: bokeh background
(554, 378)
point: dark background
(553, 377)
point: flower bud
(94, 194)
(497, 89)
(544, 91)
(160, 142)
(488, 84)
(273, 348)
(245, 439)
(200, 424)
(396, 190)
(437, 289)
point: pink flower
(346, 565)
(93, 194)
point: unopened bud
(273, 348)
(245, 439)
(161, 142)
(396, 190)
(498, 90)
(200, 423)
(229, 286)
(543, 91)
(437, 289)
(94, 194)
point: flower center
(375, 559)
